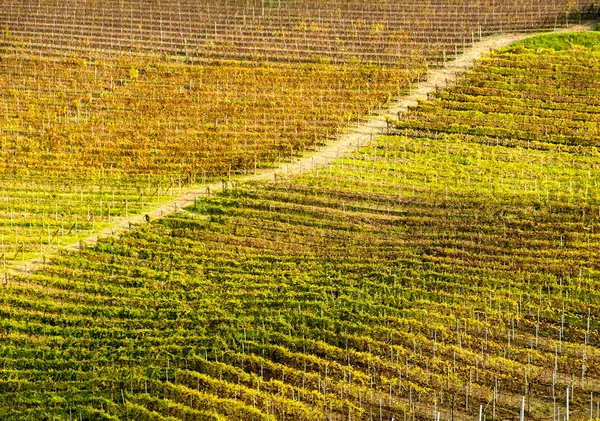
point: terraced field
(448, 270)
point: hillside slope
(449, 267)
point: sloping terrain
(445, 269)
(391, 32)
(112, 109)
(87, 139)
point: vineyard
(88, 140)
(111, 108)
(448, 270)
(382, 32)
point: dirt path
(359, 136)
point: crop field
(382, 32)
(87, 139)
(446, 271)
(111, 108)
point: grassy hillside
(563, 42)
